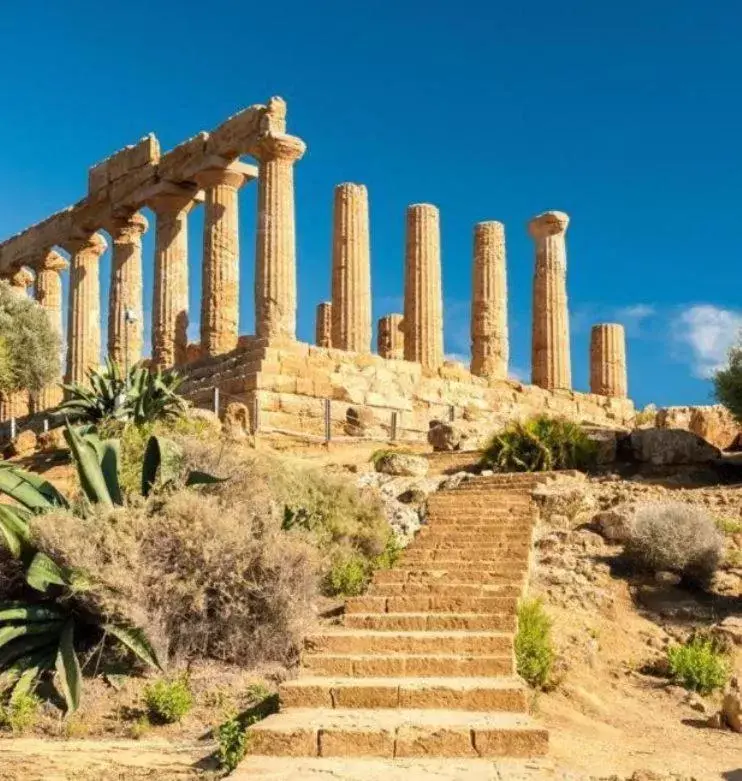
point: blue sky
(627, 116)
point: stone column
(49, 296)
(390, 338)
(83, 327)
(170, 300)
(489, 310)
(608, 360)
(275, 257)
(351, 269)
(324, 324)
(220, 276)
(550, 361)
(125, 339)
(423, 304)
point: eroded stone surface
(608, 360)
(323, 325)
(390, 338)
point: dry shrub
(676, 537)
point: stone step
(365, 642)
(463, 554)
(433, 604)
(326, 732)
(445, 588)
(431, 622)
(507, 694)
(436, 541)
(436, 574)
(415, 665)
(262, 768)
(521, 532)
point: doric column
(275, 258)
(550, 360)
(83, 328)
(125, 322)
(170, 299)
(489, 310)
(220, 276)
(390, 338)
(324, 324)
(49, 296)
(20, 281)
(423, 304)
(608, 360)
(351, 269)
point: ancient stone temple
(285, 382)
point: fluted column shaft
(550, 360)
(83, 329)
(49, 296)
(275, 257)
(351, 269)
(489, 313)
(323, 333)
(220, 278)
(390, 337)
(423, 303)
(608, 360)
(125, 319)
(170, 300)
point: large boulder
(731, 706)
(666, 447)
(449, 436)
(24, 444)
(616, 524)
(361, 422)
(714, 423)
(402, 464)
(236, 423)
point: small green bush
(168, 701)
(540, 445)
(347, 576)
(534, 651)
(21, 713)
(699, 665)
(232, 740)
(729, 525)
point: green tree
(728, 383)
(29, 345)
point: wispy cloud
(706, 332)
(634, 316)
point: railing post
(12, 429)
(395, 423)
(45, 425)
(216, 401)
(256, 414)
(328, 420)
(452, 413)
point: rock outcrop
(666, 447)
(714, 423)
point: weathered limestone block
(664, 447)
(13, 405)
(20, 280)
(550, 359)
(351, 269)
(236, 423)
(390, 340)
(323, 334)
(423, 303)
(125, 318)
(489, 316)
(714, 423)
(170, 299)
(83, 329)
(608, 360)
(220, 280)
(275, 258)
(49, 296)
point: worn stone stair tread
(499, 682)
(263, 768)
(428, 621)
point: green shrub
(168, 701)
(231, 739)
(699, 665)
(21, 713)
(729, 525)
(675, 537)
(348, 575)
(728, 383)
(534, 651)
(29, 344)
(538, 445)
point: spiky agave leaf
(136, 641)
(43, 572)
(30, 490)
(67, 667)
(14, 532)
(29, 611)
(89, 470)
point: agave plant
(141, 396)
(46, 632)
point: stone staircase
(423, 665)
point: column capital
(127, 228)
(549, 223)
(279, 146)
(423, 208)
(170, 198)
(94, 245)
(51, 261)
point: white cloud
(709, 332)
(633, 317)
(458, 357)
